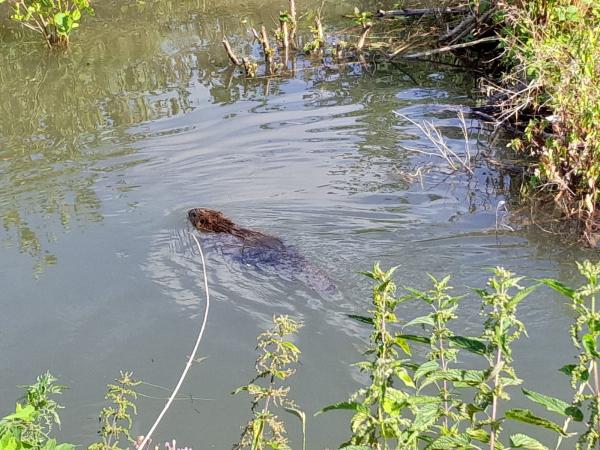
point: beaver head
(210, 220)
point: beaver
(260, 249)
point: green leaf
(554, 405)
(414, 338)
(425, 417)
(355, 447)
(524, 441)
(403, 345)
(569, 368)
(479, 435)
(425, 368)
(300, 415)
(471, 344)
(394, 401)
(450, 442)
(558, 287)
(589, 343)
(520, 296)
(423, 320)
(354, 406)
(9, 442)
(290, 346)
(361, 319)
(404, 376)
(526, 416)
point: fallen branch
(449, 48)
(421, 12)
(465, 27)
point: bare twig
(449, 48)
(443, 150)
(363, 36)
(421, 11)
(232, 57)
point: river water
(104, 148)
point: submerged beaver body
(261, 250)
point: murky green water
(103, 149)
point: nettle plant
(437, 401)
(275, 364)
(53, 19)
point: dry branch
(267, 50)
(363, 37)
(421, 12)
(449, 48)
(294, 24)
(465, 27)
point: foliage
(411, 403)
(553, 49)
(116, 419)
(274, 365)
(584, 332)
(53, 19)
(32, 422)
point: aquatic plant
(53, 19)
(274, 365)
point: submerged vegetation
(424, 392)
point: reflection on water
(104, 148)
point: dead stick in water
(268, 51)
(294, 22)
(451, 47)
(363, 37)
(421, 11)
(285, 34)
(232, 57)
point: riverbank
(542, 80)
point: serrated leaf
(524, 441)
(402, 373)
(554, 405)
(526, 416)
(450, 442)
(589, 343)
(425, 368)
(558, 287)
(403, 345)
(423, 320)
(415, 338)
(353, 406)
(361, 319)
(522, 294)
(569, 368)
(471, 344)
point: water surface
(104, 148)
